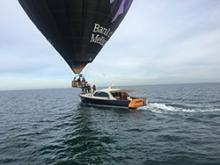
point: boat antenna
(110, 86)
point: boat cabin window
(101, 94)
(120, 95)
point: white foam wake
(161, 108)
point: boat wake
(163, 108)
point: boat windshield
(101, 94)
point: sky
(159, 42)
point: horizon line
(103, 86)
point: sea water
(180, 126)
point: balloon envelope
(77, 29)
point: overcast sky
(159, 42)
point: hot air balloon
(77, 29)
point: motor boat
(113, 98)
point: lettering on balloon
(100, 34)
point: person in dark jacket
(93, 88)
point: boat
(111, 97)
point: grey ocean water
(180, 126)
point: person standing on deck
(93, 88)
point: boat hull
(128, 104)
(105, 102)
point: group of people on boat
(81, 82)
(87, 88)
